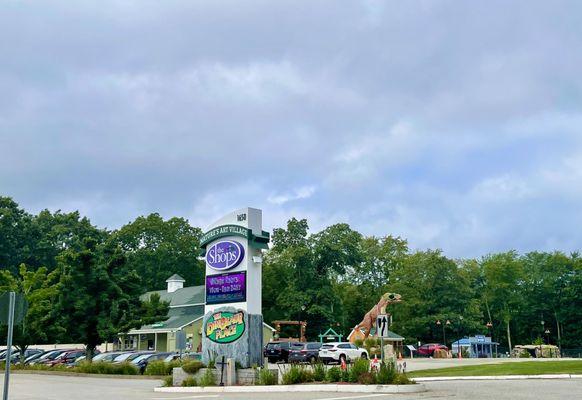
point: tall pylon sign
(232, 249)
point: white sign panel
(382, 322)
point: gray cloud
(453, 124)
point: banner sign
(225, 327)
(226, 288)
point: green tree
(15, 238)
(100, 295)
(433, 287)
(157, 249)
(40, 288)
(502, 290)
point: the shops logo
(224, 255)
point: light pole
(447, 323)
(541, 349)
(489, 326)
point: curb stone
(496, 377)
(297, 388)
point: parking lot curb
(81, 374)
(418, 388)
(496, 377)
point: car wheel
(364, 356)
(312, 360)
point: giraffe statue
(369, 319)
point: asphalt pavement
(52, 387)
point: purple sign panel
(226, 288)
(224, 255)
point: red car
(429, 348)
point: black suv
(304, 352)
(279, 351)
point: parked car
(304, 352)
(68, 357)
(278, 351)
(48, 356)
(128, 357)
(338, 352)
(36, 356)
(142, 361)
(15, 357)
(428, 349)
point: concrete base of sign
(247, 349)
(335, 388)
(232, 376)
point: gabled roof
(186, 296)
(175, 277)
(177, 318)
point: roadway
(53, 387)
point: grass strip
(509, 368)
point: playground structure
(369, 319)
(302, 326)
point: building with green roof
(185, 314)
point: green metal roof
(178, 317)
(181, 297)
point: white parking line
(186, 397)
(353, 397)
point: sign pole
(9, 345)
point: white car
(337, 352)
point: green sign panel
(225, 230)
(225, 327)
(20, 308)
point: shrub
(524, 354)
(191, 367)
(168, 381)
(345, 375)
(333, 374)
(158, 368)
(208, 378)
(386, 374)
(361, 366)
(267, 377)
(367, 378)
(359, 342)
(402, 379)
(189, 381)
(297, 374)
(124, 368)
(319, 372)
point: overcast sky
(454, 124)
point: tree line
(83, 283)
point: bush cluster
(87, 367)
(266, 377)
(297, 374)
(208, 379)
(191, 367)
(161, 368)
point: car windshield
(123, 357)
(100, 356)
(140, 358)
(136, 355)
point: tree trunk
(558, 330)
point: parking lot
(52, 387)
